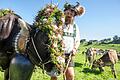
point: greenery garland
(4, 12)
(50, 20)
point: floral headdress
(78, 9)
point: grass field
(83, 72)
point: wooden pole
(69, 59)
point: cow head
(97, 63)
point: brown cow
(108, 59)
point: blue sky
(101, 20)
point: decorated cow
(23, 46)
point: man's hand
(74, 52)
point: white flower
(54, 37)
(54, 44)
(60, 59)
(60, 27)
(55, 27)
(44, 20)
(59, 37)
(48, 9)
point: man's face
(69, 16)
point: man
(71, 38)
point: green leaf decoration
(4, 12)
(50, 21)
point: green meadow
(83, 72)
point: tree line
(114, 40)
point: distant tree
(83, 41)
(92, 41)
(101, 41)
(105, 41)
(116, 40)
(108, 40)
(89, 42)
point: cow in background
(108, 59)
(90, 55)
(118, 55)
